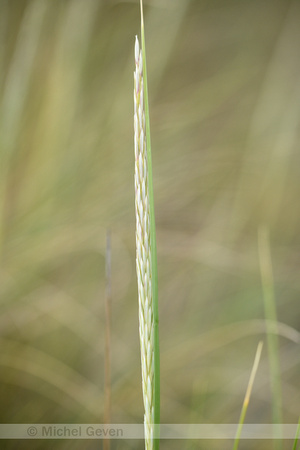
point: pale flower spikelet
(143, 249)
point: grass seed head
(143, 249)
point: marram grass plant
(143, 251)
(146, 265)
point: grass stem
(248, 394)
(266, 271)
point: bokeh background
(224, 86)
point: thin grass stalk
(297, 436)
(146, 248)
(143, 249)
(247, 395)
(153, 244)
(266, 271)
(107, 371)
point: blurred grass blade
(271, 317)
(107, 382)
(247, 395)
(297, 436)
(40, 371)
(14, 96)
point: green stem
(247, 395)
(266, 270)
(297, 436)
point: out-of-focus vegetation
(224, 92)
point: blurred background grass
(225, 105)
